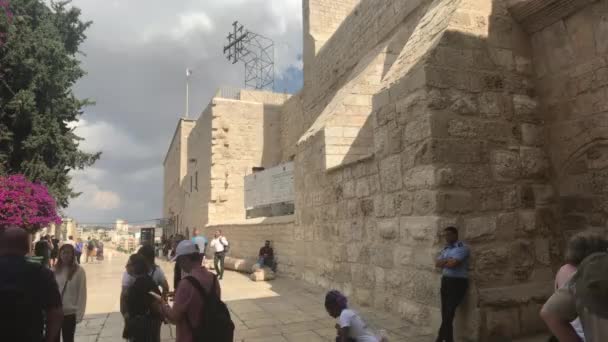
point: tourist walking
(55, 250)
(99, 254)
(143, 320)
(584, 296)
(78, 249)
(454, 262)
(29, 295)
(350, 326)
(72, 281)
(219, 245)
(197, 300)
(201, 242)
(90, 249)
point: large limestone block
(239, 265)
(261, 273)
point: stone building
(485, 114)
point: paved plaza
(281, 310)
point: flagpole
(187, 93)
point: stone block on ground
(239, 265)
(262, 273)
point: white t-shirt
(218, 244)
(357, 328)
(158, 276)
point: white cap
(186, 247)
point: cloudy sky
(136, 57)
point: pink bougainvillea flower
(26, 204)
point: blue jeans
(262, 261)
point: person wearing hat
(188, 303)
(585, 296)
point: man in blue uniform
(454, 262)
(201, 242)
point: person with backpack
(142, 316)
(72, 281)
(31, 303)
(198, 312)
(155, 272)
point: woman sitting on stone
(351, 327)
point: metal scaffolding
(256, 52)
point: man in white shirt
(219, 245)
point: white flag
(188, 72)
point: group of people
(40, 303)
(577, 311)
(196, 300)
(219, 244)
(47, 249)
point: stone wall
(571, 64)
(229, 139)
(457, 139)
(244, 135)
(420, 114)
(321, 19)
(370, 227)
(197, 182)
(175, 169)
(246, 237)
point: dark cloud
(136, 57)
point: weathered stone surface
(390, 174)
(261, 274)
(389, 228)
(518, 294)
(534, 162)
(448, 114)
(419, 228)
(506, 165)
(477, 228)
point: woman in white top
(351, 327)
(72, 282)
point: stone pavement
(282, 310)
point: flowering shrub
(26, 204)
(6, 18)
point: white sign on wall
(274, 185)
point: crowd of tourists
(46, 250)
(41, 301)
(197, 310)
(44, 301)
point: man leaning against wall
(454, 263)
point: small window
(190, 183)
(196, 180)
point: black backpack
(21, 312)
(216, 324)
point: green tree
(38, 109)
